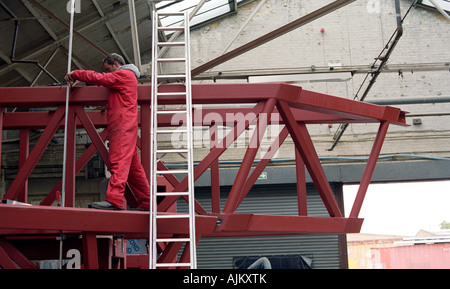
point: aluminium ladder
(160, 81)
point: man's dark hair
(114, 57)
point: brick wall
(353, 35)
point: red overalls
(122, 131)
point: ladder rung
(164, 131)
(171, 111)
(174, 151)
(170, 240)
(172, 76)
(172, 194)
(171, 59)
(178, 216)
(170, 13)
(171, 43)
(172, 172)
(171, 28)
(173, 264)
(166, 94)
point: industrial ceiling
(102, 27)
(35, 34)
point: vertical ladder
(159, 82)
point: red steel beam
(301, 184)
(215, 178)
(137, 261)
(32, 219)
(80, 164)
(304, 145)
(370, 167)
(24, 151)
(345, 108)
(90, 252)
(5, 261)
(98, 96)
(249, 157)
(18, 257)
(24, 218)
(253, 224)
(211, 157)
(35, 155)
(47, 247)
(320, 108)
(262, 164)
(69, 195)
(1, 132)
(202, 117)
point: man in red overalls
(125, 165)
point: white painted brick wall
(354, 35)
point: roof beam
(77, 33)
(272, 35)
(354, 69)
(134, 34)
(41, 21)
(19, 70)
(45, 49)
(111, 31)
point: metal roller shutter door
(218, 253)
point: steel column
(90, 252)
(301, 184)
(24, 150)
(145, 138)
(1, 135)
(68, 198)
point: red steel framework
(28, 232)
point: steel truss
(28, 232)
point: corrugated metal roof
(103, 27)
(40, 33)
